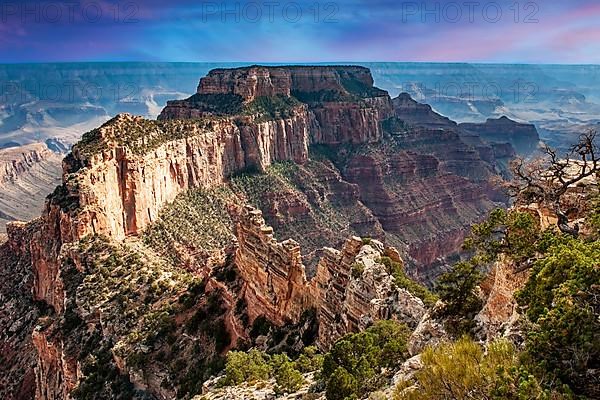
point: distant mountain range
(61, 101)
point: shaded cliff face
(18, 315)
(418, 114)
(350, 289)
(523, 137)
(496, 141)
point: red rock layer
(344, 105)
(253, 82)
(275, 283)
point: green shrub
(354, 365)
(562, 303)
(310, 360)
(271, 107)
(463, 370)
(357, 269)
(457, 289)
(246, 367)
(287, 377)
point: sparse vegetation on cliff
(297, 201)
(559, 302)
(140, 135)
(512, 233)
(197, 221)
(465, 370)
(254, 365)
(158, 315)
(355, 365)
(217, 103)
(272, 107)
(403, 281)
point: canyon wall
(256, 81)
(18, 314)
(523, 137)
(27, 174)
(420, 188)
(344, 107)
(350, 290)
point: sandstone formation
(417, 189)
(351, 288)
(355, 289)
(344, 107)
(275, 279)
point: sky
(513, 31)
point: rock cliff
(523, 137)
(351, 287)
(18, 315)
(346, 168)
(343, 105)
(418, 114)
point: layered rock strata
(343, 105)
(523, 137)
(351, 288)
(118, 178)
(27, 174)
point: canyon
(27, 174)
(291, 166)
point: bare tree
(547, 179)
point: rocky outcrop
(256, 81)
(273, 274)
(56, 374)
(355, 289)
(351, 288)
(523, 137)
(418, 114)
(500, 311)
(262, 390)
(344, 106)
